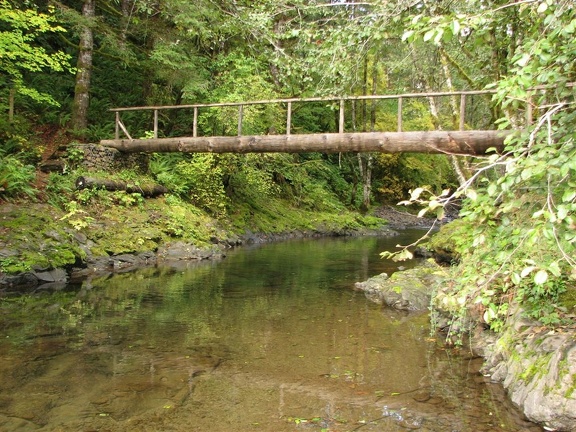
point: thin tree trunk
(79, 121)
(11, 97)
(459, 163)
(455, 112)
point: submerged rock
(187, 251)
(405, 290)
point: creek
(271, 338)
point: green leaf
(568, 195)
(526, 271)
(554, 268)
(471, 193)
(542, 8)
(523, 61)
(455, 27)
(415, 194)
(428, 35)
(408, 35)
(540, 277)
(492, 189)
(438, 36)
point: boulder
(54, 275)
(409, 290)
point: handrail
(290, 101)
(310, 99)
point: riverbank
(44, 247)
(535, 363)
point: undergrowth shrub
(198, 178)
(16, 178)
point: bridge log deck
(472, 142)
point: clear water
(272, 338)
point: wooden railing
(120, 127)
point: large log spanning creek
(271, 338)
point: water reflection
(272, 339)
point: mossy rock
(567, 300)
(37, 239)
(406, 290)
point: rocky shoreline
(169, 254)
(536, 365)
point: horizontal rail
(240, 106)
(310, 99)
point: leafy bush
(199, 179)
(59, 189)
(16, 178)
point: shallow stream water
(272, 338)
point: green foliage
(398, 173)
(16, 178)
(520, 244)
(199, 179)
(240, 79)
(250, 177)
(59, 189)
(21, 52)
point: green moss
(38, 239)
(570, 391)
(567, 299)
(537, 368)
(277, 216)
(449, 237)
(46, 236)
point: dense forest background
(64, 64)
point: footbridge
(464, 139)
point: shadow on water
(272, 338)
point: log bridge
(456, 142)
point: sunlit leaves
(20, 50)
(523, 208)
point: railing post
(240, 118)
(289, 118)
(400, 114)
(462, 111)
(117, 126)
(155, 123)
(195, 123)
(341, 118)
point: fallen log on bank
(446, 142)
(147, 190)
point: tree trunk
(79, 121)
(444, 142)
(149, 190)
(460, 164)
